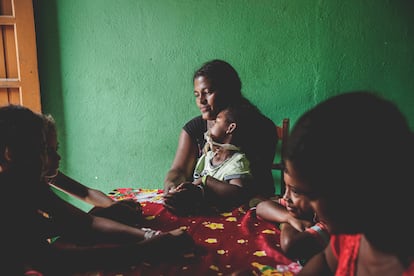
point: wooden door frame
(19, 78)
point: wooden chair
(283, 134)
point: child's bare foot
(167, 246)
(150, 233)
(177, 232)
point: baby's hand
(198, 181)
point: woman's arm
(184, 162)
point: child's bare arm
(272, 211)
(300, 244)
(89, 195)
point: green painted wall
(117, 75)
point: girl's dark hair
(21, 133)
(359, 144)
(359, 132)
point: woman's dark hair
(224, 80)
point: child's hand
(198, 181)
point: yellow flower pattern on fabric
(214, 226)
(213, 267)
(260, 253)
(268, 231)
(226, 214)
(211, 240)
(222, 235)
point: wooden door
(19, 80)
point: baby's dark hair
(244, 115)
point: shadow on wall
(49, 63)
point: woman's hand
(126, 211)
(185, 199)
(168, 187)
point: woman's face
(206, 98)
(53, 156)
(298, 205)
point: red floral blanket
(231, 242)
